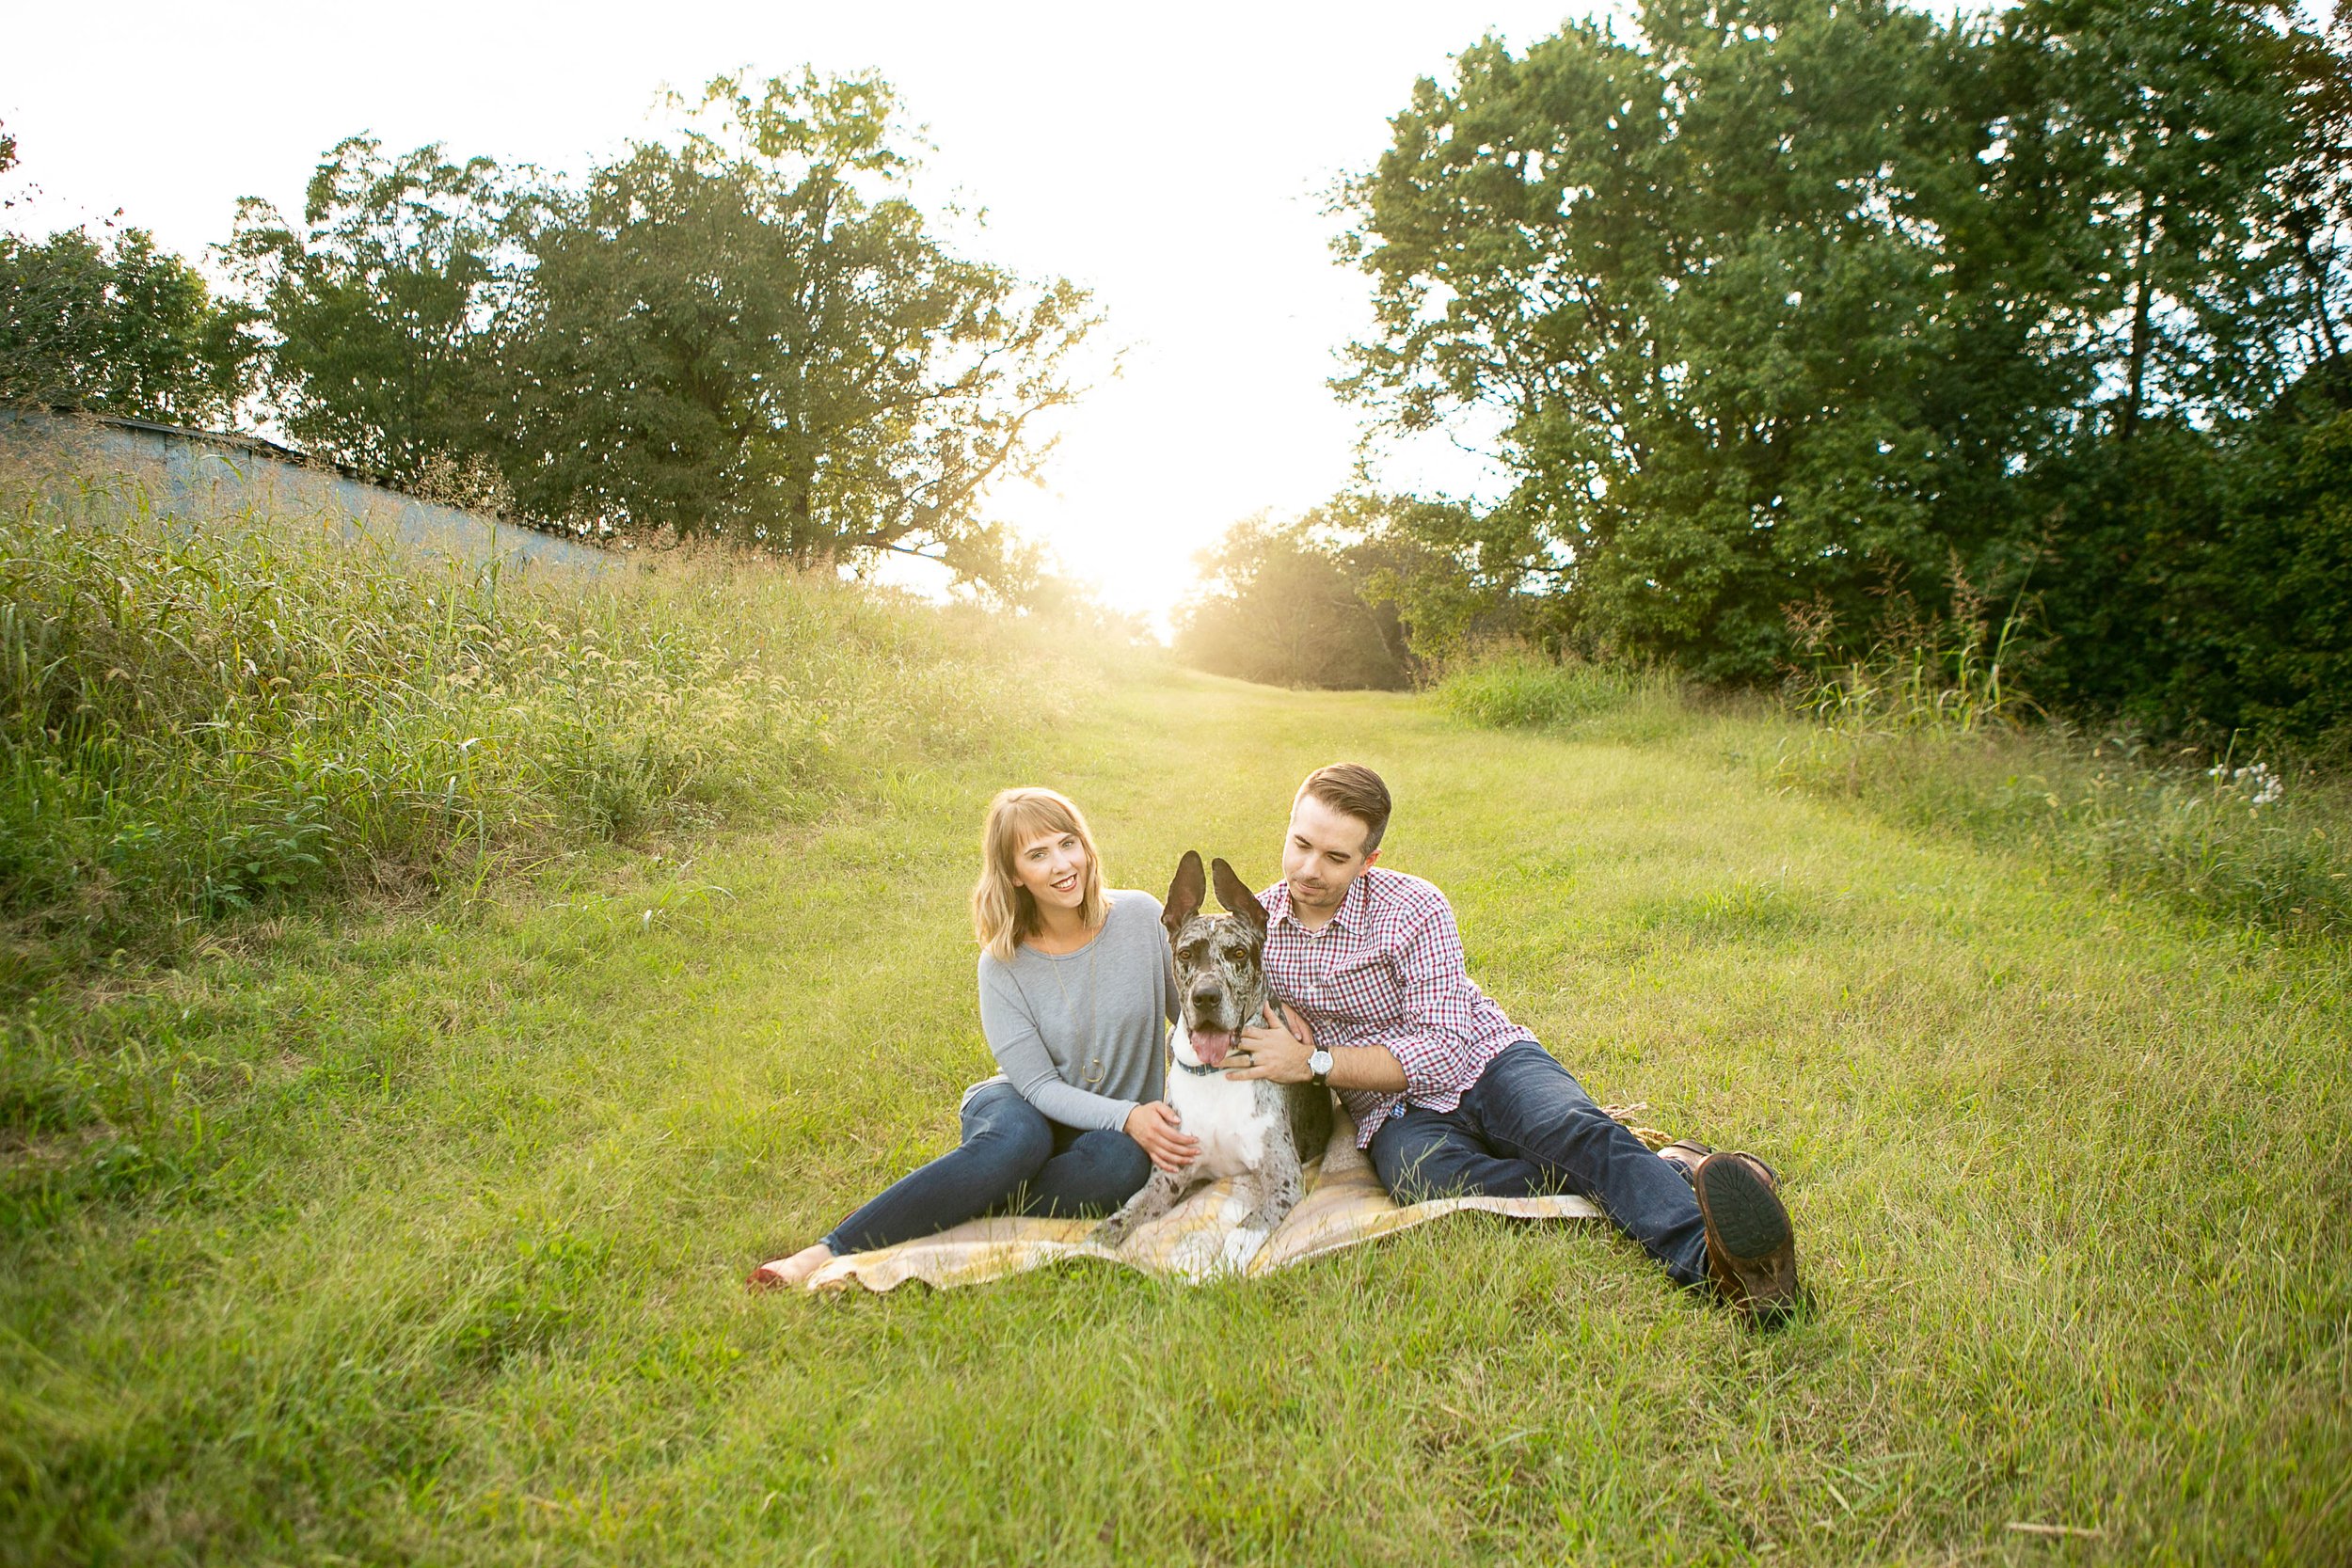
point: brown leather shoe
(1751, 1246)
(1687, 1154)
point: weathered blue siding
(199, 476)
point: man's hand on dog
(1154, 1125)
(1278, 1055)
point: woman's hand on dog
(1155, 1126)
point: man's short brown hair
(1354, 791)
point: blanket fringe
(1651, 1137)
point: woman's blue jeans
(1012, 1160)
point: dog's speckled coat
(1251, 1129)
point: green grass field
(423, 1236)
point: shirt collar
(1356, 909)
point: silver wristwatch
(1319, 1067)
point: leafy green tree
(749, 332)
(746, 331)
(2174, 168)
(119, 327)
(1704, 276)
(2200, 592)
(2145, 155)
(2286, 619)
(1281, 604)
(1452, 578)
(388, 304)
(1816, 303)
(2315, 191)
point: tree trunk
(799, 478)
(2137, 381)
(2316, 275)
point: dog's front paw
(1111, 1231)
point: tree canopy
(1279, 603)
(790, 355)
(118, 327)
(388, 303)
(743, 330)
(1791, 305)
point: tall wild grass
(1509, 685)
(1931, 730)
(209, 717)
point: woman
(1078, 989)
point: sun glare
(1179, 173)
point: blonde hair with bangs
(1003, 912)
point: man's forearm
(1366, 1066)
(1279, 1055)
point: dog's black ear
(1235, 896)
(1185, 892)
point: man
(1449, 1096)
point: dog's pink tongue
(1211, 1048)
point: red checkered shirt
(1387, 971)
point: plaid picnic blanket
(1344, 1206)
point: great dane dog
(1258, 1131)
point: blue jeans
(1527, 1127)
(1012, 1160)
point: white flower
(2262, 786)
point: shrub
(1511, 686)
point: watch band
(1321, 1077)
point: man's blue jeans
(1527, 1127)
(1012, 1160)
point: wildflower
(2261, 786)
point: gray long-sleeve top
(1083, 1035)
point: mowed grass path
(458, 1279)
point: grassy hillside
(2235, 837)
(420, 1238)
(215, 716)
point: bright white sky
(1173, 161)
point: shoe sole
(1749, 1228)
(1749, 1220)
